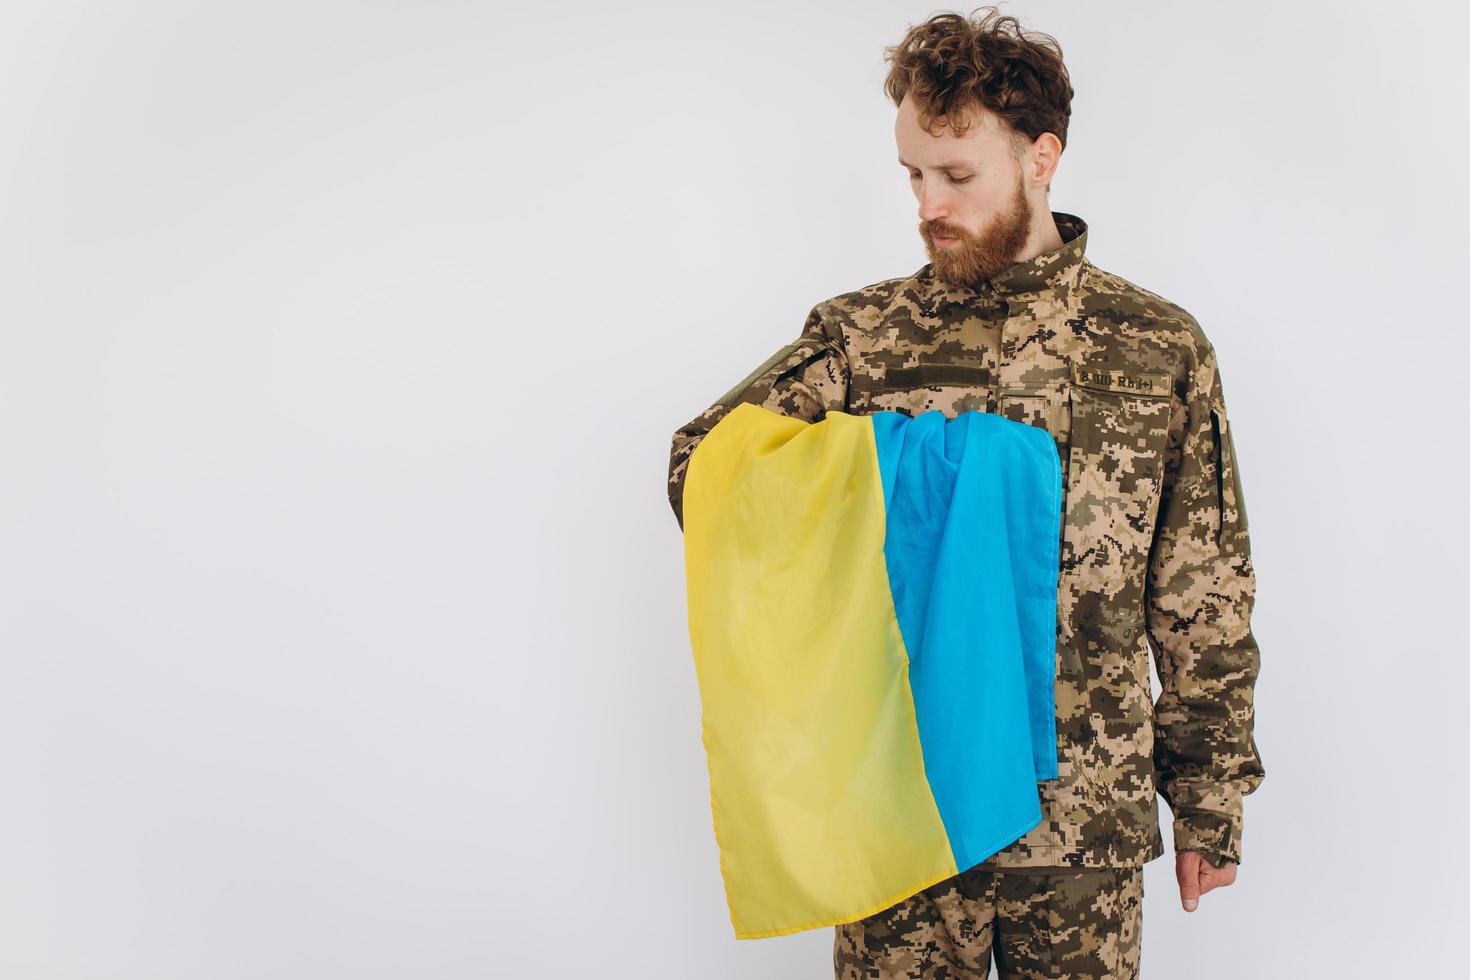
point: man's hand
(1197, 875)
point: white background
(341, 605)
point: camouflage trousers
(1084, 923)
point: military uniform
(1074, 924)
(1155, 550)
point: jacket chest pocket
(950, 387)
(1117, 436)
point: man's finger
(1212, 877)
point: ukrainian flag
(872, 608)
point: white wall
(341, 607)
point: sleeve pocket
(787, 357)
(1230, 528)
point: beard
(974, 258)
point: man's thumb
(1189, 881)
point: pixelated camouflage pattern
(1078, 924)
(1155, 551)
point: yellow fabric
(822, 811)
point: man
(1009, 316)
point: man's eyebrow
(946, 165)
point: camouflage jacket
(1155, 552)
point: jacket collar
(1057, 270)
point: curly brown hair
(951, 63)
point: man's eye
(953, 180)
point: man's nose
(932, 206)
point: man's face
(975, 214)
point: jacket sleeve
(1198, 601)
(805, 378)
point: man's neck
(1043, 237)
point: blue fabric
(972, 547)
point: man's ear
(1044, 155)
